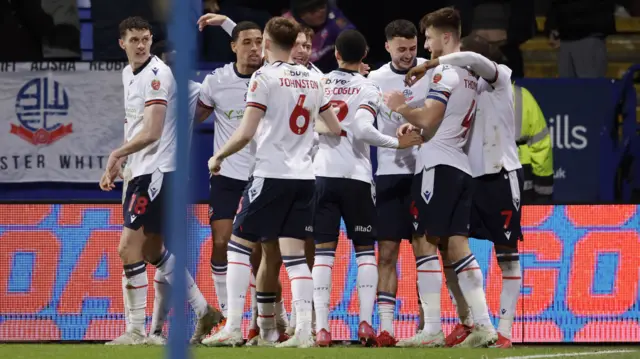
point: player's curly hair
(446, 19)
(133, 23)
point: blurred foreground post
(182, 34)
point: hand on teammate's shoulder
(415, 74)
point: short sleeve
(444, 80)
(503, 76)
(258, 90)
(207, 90)
(158, 86)
(371, 100)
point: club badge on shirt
(155, 84)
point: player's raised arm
(429, 116)
(212, 19)
(481, 65)
(362, 126)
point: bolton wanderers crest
(41, 106)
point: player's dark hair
(445, 19)
(283, 32)
(480, 45)
(352, 46)
(243, 26)
(400, 28)
(133, 23)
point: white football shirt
(492, 143)
(291, 98)
(347, 156)
(225, 91)
(393, 161)
(152, 83)
(455, 87)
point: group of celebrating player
(292, 147)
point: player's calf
(294, 260)
(387, 284)
(130, 252)
(462, 330)
(238, 276)
(266, 291)
(509, 262)
(220, 235)
(367, 282)
(323, 265)
(471, 281)
(429, 281)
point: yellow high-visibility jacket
(534, 146)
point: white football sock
(267, 316)
(429, 287)
(137, 283)
(166, 266)
(219, 275)
(511, 282)
(238, 277)
(462, 308)
(301, 290)
(281, 313)
(322, 267)
(386, 311)
(161, 303)
(367, 282)
(470, 279)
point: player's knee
(220, 234)
(458, 248)
(292, 247)
(131, 245)
(424, 246)
(255, 258)
(508, 258)
(129, 252)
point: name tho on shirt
(470, 84)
